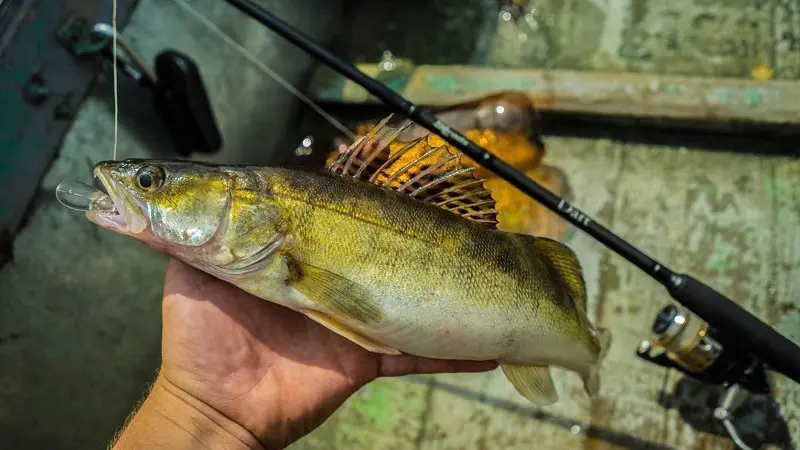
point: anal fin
(534, 382)
(344, 331)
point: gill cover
(185, 203)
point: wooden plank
(786, 35)
(492, 418)
(626, 94)
(730, 243)
(633, 95)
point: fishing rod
(729, 325)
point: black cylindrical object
(181, 100)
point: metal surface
(41, 85)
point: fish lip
(124, 219)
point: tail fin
(566, 267)
(591, 381)
(604, 341)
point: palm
(272, 370)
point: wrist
(171, 418)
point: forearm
(171, 419)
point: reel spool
(683, 341)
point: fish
(401, 261)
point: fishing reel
(178, 93)
(685, 342)
(680, 340)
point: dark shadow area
(738, 139)
(424, 31)
(758, 420)
(308, 123)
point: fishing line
(740, 329)
(80, 196)
(135, 58)
(205, 21)
(116, 87)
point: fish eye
(150, 177)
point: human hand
(271, 370)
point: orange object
(517, 212)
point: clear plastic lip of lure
(82, 197)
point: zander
(397, 251)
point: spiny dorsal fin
(418, 169)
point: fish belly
(447, 333)
(450, 328)
(455, 326)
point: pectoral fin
(337, 294)
(533, 382)
(344, 331)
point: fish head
(177, 203)
(213, 215)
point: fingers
(395, 366)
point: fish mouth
(113, 208)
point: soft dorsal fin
(566, 266)
(418, 169)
